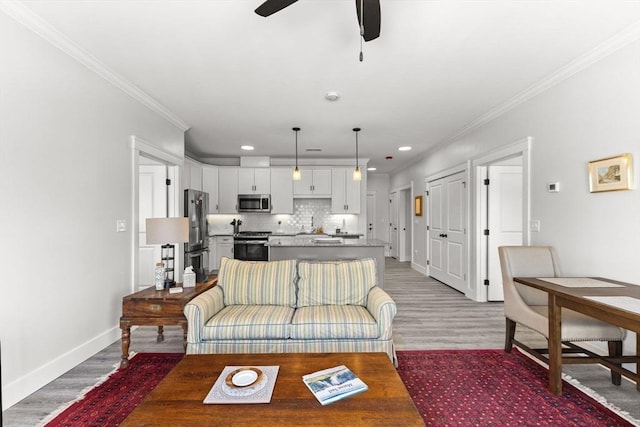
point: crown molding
(35, 23)
(629, 35)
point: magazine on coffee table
(243, 384)
(333, 384)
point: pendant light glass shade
(297, 174)
(357, 175)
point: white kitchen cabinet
(314, 183)
(254, 181)
(227, 190)
(281, 191)
(345, 192)
(223, 248)
(191, 174)
(210, 185)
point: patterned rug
(449, 388)
(111, 401)
(494, 388)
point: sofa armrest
(200, 309)
(383, 308)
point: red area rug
(494, 388)
(449, 388)
(110, 402)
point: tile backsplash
(307, 214)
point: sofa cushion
(333, 322)
(258, 282)
(335, 282)
(249, 322)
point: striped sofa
(292, 306)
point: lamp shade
(167, 230)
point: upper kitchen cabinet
(254, 181)
(314, 183)
(281, 191)
(210, 185)
(191, 174)
(227, 190)
(345, 192)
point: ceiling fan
(368, 12)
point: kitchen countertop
(307, 242)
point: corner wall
(65, 177)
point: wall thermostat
(553, 187)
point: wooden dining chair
(529, 307)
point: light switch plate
(534, 225)
(121, 225)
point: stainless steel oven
(249, 246)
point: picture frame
(417, 206)
(611, 174)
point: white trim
(35, 23)
(462, 167)
(419, 268)
(629, 35)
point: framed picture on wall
(418, 206)
(611, 174)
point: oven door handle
(250, 242)
(197, 254)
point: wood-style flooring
(430, 316)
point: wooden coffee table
(177, 400)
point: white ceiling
(237, 78)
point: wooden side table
(149, 307)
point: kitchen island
(329, 249)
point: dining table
(611, 301)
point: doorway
(400, 224)
(502, 208)
(371, 215)
(152, 169)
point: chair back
(526, 261)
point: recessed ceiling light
(332, 96)
(404, 148)
(371, 169)
(247, 147)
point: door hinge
(167, 181)
(486, 232)
(486, 282)
(464, 184)
(427, 262)
(486, 181)
(427, 192)
(427, 227)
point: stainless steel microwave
(254, 203)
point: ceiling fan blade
(270, 7)
(371, 18)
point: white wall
(591, 115)
(65, 177)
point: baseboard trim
(419, 268)
(22, 387)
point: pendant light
(357, 175)
(297, 175)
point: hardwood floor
(430, 316)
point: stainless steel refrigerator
(196, 250)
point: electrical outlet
(534, 225)
(121, 225)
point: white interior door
(393, 225)
(152, 204)
(447, 231)
(504, 201)
(371, 215)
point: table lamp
(166, 232)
